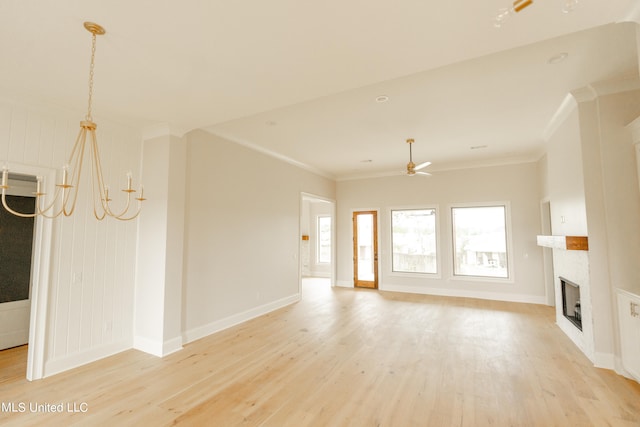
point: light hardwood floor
(344, 357)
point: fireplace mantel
(568, 243)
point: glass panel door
(365, 249)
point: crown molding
(568, 106)
(269, 153)
(162, 129)
(634, 15)
(607, 87)
(634, 127)
(584, 94)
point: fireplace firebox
(571, 307)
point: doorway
(40, 266)
(317, 239)
(365, 249)
(16, 255)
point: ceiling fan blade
(422, 165)
(423, 173)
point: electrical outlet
(635, 309)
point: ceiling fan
(412, 168)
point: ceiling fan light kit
(520, 5)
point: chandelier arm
(121, 214)
(97, 179)
(100, 178)
(76, 157)
(43, 212)
(125, 210)
(77, 146)
(122, 218)
(96, 175)
(101, 196)
(95, 214)
(20, 214)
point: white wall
(621, 194)
(158, 302)
(518, 185)
(90, 291)
(565, 187)
(242, 233)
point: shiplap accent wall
(91, 286)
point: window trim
(318, 240)
(413, 274)
(509, 242)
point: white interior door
(16, 251)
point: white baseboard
(604, 361)
(156, 347)
(148, 346)
(172, 345)
(222, 324)
(61, 364)
(466, 293)
(325, 274)
(619, 369)
(344, 283)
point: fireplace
(571, 302)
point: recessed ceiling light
(570, 6)
(556, 59)
(382, 98)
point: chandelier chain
(91, 66)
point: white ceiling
(299, 79)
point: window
(324, 239)
(480, 241)
(413, 236)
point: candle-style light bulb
(65, 172)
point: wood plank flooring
(344, 357)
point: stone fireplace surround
(572, 264)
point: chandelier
(64, 199)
